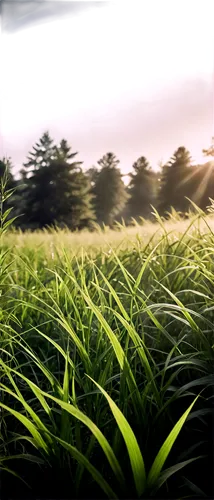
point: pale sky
(133, 77)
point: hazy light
(85, 90)
(111, 75)
(203, 185)
(126, 179)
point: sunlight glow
(199, 159)
(82, 65)
(203, 185)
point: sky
(132, 77)
(23, 14)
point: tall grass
(106, 370)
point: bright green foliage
(106, 366)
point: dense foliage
(56, 190)
(106, 367)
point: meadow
(107, 355)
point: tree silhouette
(141, 189)
(205, 179)
(57, 191)
(210, 150)
(41, 156)
(6, 166)
(176, 182)
(109, 190)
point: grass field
(107, 355)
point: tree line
(54, 190)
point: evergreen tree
(205, 179)
(175, 182)
(12, 201)
(58, 192)
(6, 164)
(43, 153)
(83, 214)
(210, 150)
(202, 184)
(141, 189)
(92, 177)
(92, 174)
(108, 189)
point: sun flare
(199, 159)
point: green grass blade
(64, 433)
(41, 444)
(166, 474)
(108, 451)
(81, 459)
(136, 459)
(165, 449)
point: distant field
(107, 355)
(121, 237)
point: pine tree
(6, 164)
(43, 153)
(205, 180)
(205, 185)
(109, 190)
(175, 182)
(202, 184)
(141, 189)
(92, 174)
(58, 192)
(82, 207)
(12, 202)
(210, 150)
